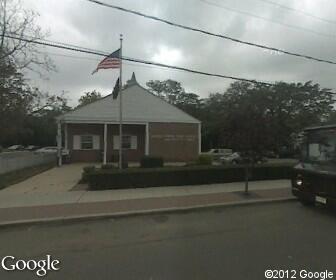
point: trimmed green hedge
(204, 159)
(177, 176)
(151, 162)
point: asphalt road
(223, 243)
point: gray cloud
(88, 25)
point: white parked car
(31, 148)
(234, 158)
(15, 148)
(51, 150)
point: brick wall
(112, 155)
(174, 141)
(85, 155)
(130, 154)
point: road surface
(225, 243)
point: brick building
(151, 126)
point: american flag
(110, 62)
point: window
(321, 146)
(127, 142)
(130, 142)
(86, 142)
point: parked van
(314, 178)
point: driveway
(55, 180)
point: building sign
(174, 137)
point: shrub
(151, 162)
(86, 171)
(204, 160)
(89, 169)
(177, 176)
(107, 166)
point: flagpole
(120, 105)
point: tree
(173, 92)
(275, 113)
(88, 98)
(15, 97)
(20, 23)
(26, 113)
(253, 119)
(23, 107)
(332, 118)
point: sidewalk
(78, 205)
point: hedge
(177, 176)
(151, 162)
(204, 159)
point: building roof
(139, 106)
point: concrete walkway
(83, 211)
(55, 180)
(36, 207)
(40, 198)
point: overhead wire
(217, 35)
(292, 26)
(298, 11)
(100, 53)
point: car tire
(307, 203)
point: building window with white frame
(127, 142)
(86, 142)
(130, 142)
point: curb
(101, 216)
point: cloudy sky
(88, 25)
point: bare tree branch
(15, 20)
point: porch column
(105, 142)
(66, 136)
(59, 143)
(147, 140)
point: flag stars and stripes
(112, 61)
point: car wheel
(307, 203)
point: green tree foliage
(253, 118)
(26, 114)
(173, 92)
(15, 97)
(259, 117)
(88, 98)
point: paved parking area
(55, 180)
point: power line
(298, 11)
(268, 19)
(211, 33)
(97, 60)
(151, 64)
(99, 53)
